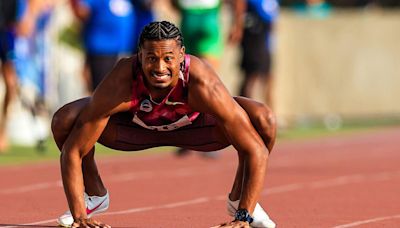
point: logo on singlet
(146, 106)
(167, 102)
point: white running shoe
(94, 205)
(261, 218)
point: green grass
(23, 155)
(16, 155)
(350, 126)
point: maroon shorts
(202, 135)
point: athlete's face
(161, 62)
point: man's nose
(160, 66)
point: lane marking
(32, 187)
(32, 224)
(182, 172)
(273, 190)
(342, 180)
(165, 206)
(373, 220)
(128, 211)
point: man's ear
(182, 54)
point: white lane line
(373, 220)
(128, 211)
(33, 187)
(118, 178)
(343, 180)
(273, 190)
(170, 205)
(283, 188)
(32, 224)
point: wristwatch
(243, 215)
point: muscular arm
(87, 129)
(207, 94)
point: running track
(336, 182)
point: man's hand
(88, 223)
(234, 224)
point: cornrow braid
(160, 30)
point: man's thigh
(203, 135)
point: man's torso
(171, 113)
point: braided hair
(160, 30)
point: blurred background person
(256, 47)
(108, 28)
(144, 14)
(8, 18)
(201, 26)
(32, 44)
(23, 56)
(31, 56)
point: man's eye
(168, 58)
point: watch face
(243, 215)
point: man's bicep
(207, 93)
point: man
(8, 19)
(201, 24)
(256, 47)
(107, 34)
(144, 14)
(162, 97)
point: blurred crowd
(107, 30)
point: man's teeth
(160, 75)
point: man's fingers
(233, 224)
(89, 223)
(217, 226)
(221, 225)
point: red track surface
(344, 181)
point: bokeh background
(335, 67)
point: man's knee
(265, 124)
(65, 117)
(265, 118)
(62, 121)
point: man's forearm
(71, 171)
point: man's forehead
(156, 45)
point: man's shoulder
(201, 75)
(128, 59)
(195, 62)
(125, 65)
(199, 67)
(195, 66)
